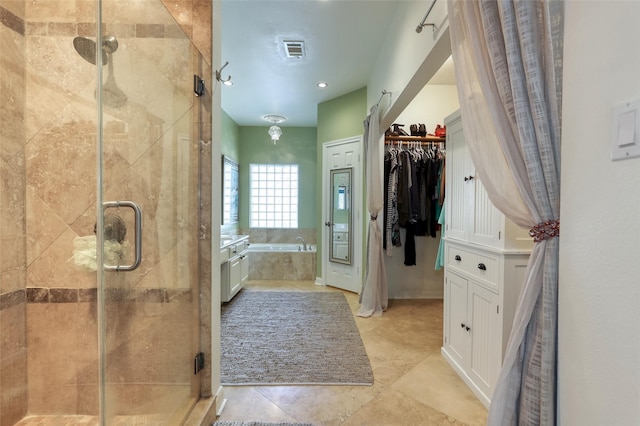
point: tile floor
(413, 385)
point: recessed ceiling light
(322, 85)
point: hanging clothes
(413, 181)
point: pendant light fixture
(274, 131)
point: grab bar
(138, 235)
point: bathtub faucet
(304, 245)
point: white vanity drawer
(224, 255)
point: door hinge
(198, 363)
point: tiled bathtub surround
(281, 266)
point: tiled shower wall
(47, 197)
(13, 277)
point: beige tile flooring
(413, 384)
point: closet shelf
(389, 138)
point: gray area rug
(282, 338)
(223, 423)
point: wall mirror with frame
(340, 244)
(230, 187)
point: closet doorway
(342, 196)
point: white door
(343, 154)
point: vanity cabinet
(234, 267)
(486, 258)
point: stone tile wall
(47, 199)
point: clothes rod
(422, 23)
(425, 139)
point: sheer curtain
(508, 61)
(374, 297)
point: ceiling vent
(294, 48)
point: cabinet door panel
(457, 335)
(485, 328)
(456, 185)
(486, 218)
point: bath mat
(283, 338)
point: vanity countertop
(228, 240)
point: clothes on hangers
(413, 183)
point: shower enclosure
(100, 215)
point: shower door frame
(113, 400)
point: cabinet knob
(467, 178)
(461, 325)
(467, 328)
(482, 266)
(458, 258)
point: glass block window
(273, 193)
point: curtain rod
(422, 23)
(384, 92)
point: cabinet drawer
(459, 259)
(224, 255)
(485, 267)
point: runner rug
(283, 338)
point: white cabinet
(470, 215)
(480, 294)
(234, 270)
(485, 261)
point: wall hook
(226, 82)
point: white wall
(408, 60)
(430, 106)
(599, 289)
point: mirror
(230, 186)
(340, 241)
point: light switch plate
(625, 131)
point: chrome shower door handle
(138, 235)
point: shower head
(87, 48)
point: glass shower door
(148, 286)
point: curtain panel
(374, 295)
(508, 62)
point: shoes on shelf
(397, 129)
(441, 131)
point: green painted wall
(229, 136)
(229, 146)
(342, 117)
(297, 145)
(338, 118)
